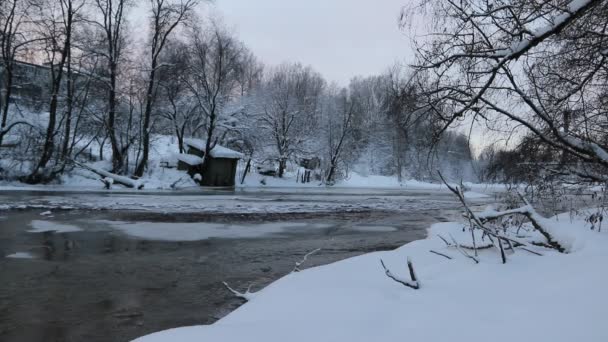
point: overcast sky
(339, 38)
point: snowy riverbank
(554, 297)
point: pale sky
(338, 38)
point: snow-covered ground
(554, 297)
(164, 151)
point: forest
(82, 85)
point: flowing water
(96, 266)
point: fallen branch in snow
(444, 240)
(530, 251)
(475, 221)
(441, 254)
(534, 218)
(248, 295)
(303, 260)
(414, 284)
(122, 180)
(107, 182)
(462, 251)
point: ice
(201, 231)
(374, 228)
(21, 255)
(49, 226)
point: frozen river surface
(111, 266)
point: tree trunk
(49, 141)
(6, 98)
(69, 109)
(143, 163)
(117, 156)
(282, 167)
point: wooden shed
(222, 163)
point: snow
(217, 152)
(474, 195)
(189, 159)
(363, 228)
(48, 226)
(202, 231)
(555, 297)
(21, 255)
(587, 145)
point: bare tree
(338, 130)
(112, 24)
(540, 65)
(291, 103)
(166, 15)
(15, 17)
(57, 30)
(216, 60)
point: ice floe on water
(21, 255)
(375, 229)
(171, 231)
(39, 226)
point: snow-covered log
(116, 179)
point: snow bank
(555, 297)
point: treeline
(102, 93)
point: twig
(531, 251)
(248, 295)
(443, 255)
(414, 284)
(444, 240)
(462, 251)
(303, 260)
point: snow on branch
(117, 179)
(413, 283)
(537, 221)
(475, 221)
(462, 251)
(303, 260)
(247, 295)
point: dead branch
(444, 240)
(247, 295)
(122, 180)
(534, 218)
(303, 260)
(414, 284)
(530, 251)
(441, 254)
(462, 251)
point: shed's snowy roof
(189, 159)
(217, 152)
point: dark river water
(109, 278)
